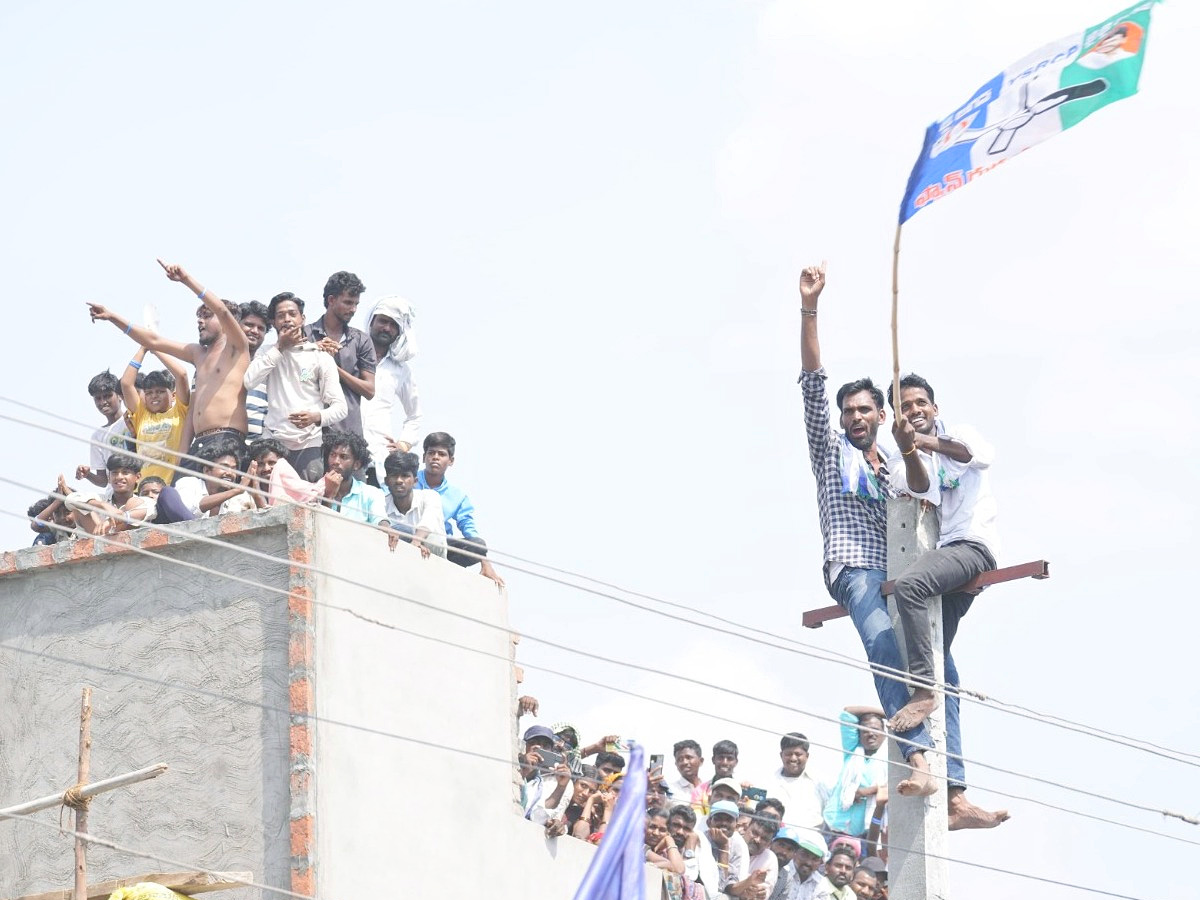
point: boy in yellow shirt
(157, 423)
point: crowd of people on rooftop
(714, 833)
(309, 418)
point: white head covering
(401, 311)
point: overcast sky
(600, 213)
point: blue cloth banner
(618, 870)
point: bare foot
(920, 783)
(919, 706)
(964, 814)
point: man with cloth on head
(390, 327)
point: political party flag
(1048, 91)
(618, 870)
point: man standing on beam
(954, 478)
(852, 493)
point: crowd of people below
(714, 834)
(308, 419)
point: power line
(505, 658)
(789, 644)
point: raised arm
(183, 390)
(915, 474)
(129, 381)
(812, 282)
(143, 336)
(235, 338)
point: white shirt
(701, 866)
(303, 378)
(425, 512)
(537, 791)
(739, 860)
(192, 489)
(106, 441)
(766, 859)
(803, 798)
(393, 382)
(961, 491)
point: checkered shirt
(853, 529)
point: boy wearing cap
(543, 797)
(800, 852)
(728, 847)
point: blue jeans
(859, 592)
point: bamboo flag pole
(895, 319)
(81, 823)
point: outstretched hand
(812, 282)
(99, 313)
(174, 271)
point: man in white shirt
(762, 863)
(113, 436)
(949, 468)
(416, 514)
(389, 325)
(700, 866)
(304, 387)
(546, 791)
(802, 796)
(688, 788)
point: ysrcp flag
(1047, 92)
(618, 869)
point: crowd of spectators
(715, 834)
(307, 418)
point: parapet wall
(338, 732)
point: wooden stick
(85, 765)
(91, 790)
(188, 883)
(895, 320)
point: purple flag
(618, 869)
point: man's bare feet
(964, 814)
(920, 783)
(919, 706)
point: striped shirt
(853, 529)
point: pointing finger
(163, 264)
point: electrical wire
(505, 658)
(788, 645)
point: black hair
(354, 442)
(139, 381)
(866, 869)
(39, 507)
(254, 308)
(607, 757)
(398, 462)
(151, 479)
(844, 850)
(261, 447)
(854, 387)
(123, 461)
(589, 772)
(793, 739)
(103, 383)
(770, 803)
(658, 812)
(159, 378)
(685, 812)
(439, 439)
(871, 715)
(686, 745)
(911, 380)
(280, 298)
(230, 446)
(229, 305)
(725, 747)
(343, 283)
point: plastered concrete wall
(415, 739)
(225, 801)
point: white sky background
(600, 213)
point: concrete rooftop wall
(392, 774)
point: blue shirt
(456, 506)
(863, 771)
(363, 504)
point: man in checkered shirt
(852, 494)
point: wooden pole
(81, 824)
(896, 319)
(85, 793)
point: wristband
(877, 822)
(200, 296)
(910, 451)
(129, 328)
(135, 364)
(807, 312)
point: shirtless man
(220, 355)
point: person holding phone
(544, 793)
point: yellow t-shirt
(158, 435)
